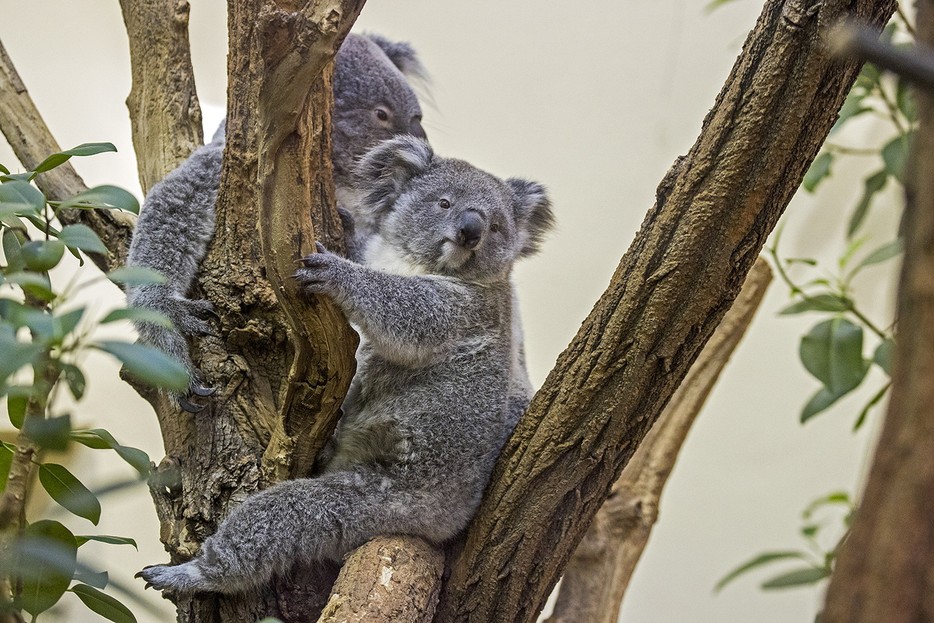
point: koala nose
(471, 230)
(416, 129)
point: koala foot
(183, 578)
(194, 317)
(195, 389)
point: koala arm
(408, 319)
(172, 234)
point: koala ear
(385, 170)
(402, 55)
(534, 217)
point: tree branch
(599, 572)
(713, 213)
(885, 567)
(163, 105)
(32, 142)
(392, 579)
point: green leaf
(895, 155)
(868, 76)
(103, 604)
(96, 579)
(64, 324)
(798, 577)
(135, 276)
(75, 380)
(34, 284)
(148, 364)
(16, 355)
(883, 253)
(820, 302)
(6, 462)
(82, 237)
(45, 561)
(905, 98)
(4, 170)
(42, 255)
(16, 408)
(758, 561)
(885, 352)
(100, 439)
(85, 149)
(818, 402)
(832, 351)
(876, 398)
(105, 538)
(872, 185)
(138, 314)
(852, 107)
(18, 197)
(69, 492)
(837, 498)
(818, 170)
(713, 5)
(103, 197)
(51, 433)
(13, 250)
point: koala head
(444, 216)
(373, 99)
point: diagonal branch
(164, 109)
(32, 141)
(714, 210)
(599, 572)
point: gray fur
(177, 220)
(426, 414)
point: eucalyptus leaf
(895, 156)
(97, 579)
(85, 149)
(42, 255)
(106, 538)
(820, 302)
(75, 380)
(13, 250)
(820, 401)
(758, 561)
(45, 562)
(51, 433)
(100, 439)
(817, 172)
(832, 352)
(82, 237)
(103, 197)
(864, 413)
(68, 491)
(135, 276)
(871, 185)
(34, 284)
(884, 355)
(103, 604)
(883, 253)
(138, 314)
(149, 365)
(19, 197)
(798, 577)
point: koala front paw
(183, 578)
(322, 271)
(194, 317)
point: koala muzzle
(470, 231)
(416, 129)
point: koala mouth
(453, 256)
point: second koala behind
(373, 101)
(427, 410)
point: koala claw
(201, 390)
(189, 406)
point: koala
(373, 101)
(426, 413)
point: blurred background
(595, 101)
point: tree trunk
(599, 572)
(885, 570)
(714, 210)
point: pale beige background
(596, 101)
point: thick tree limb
(164, 109)
(31, 140)
(295, 173)
(599, 572)
(885, 568)
(389, 579)
(713, 213)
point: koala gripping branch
(713, 213)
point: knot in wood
(797, 13)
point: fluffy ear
(534, 217)
(402, 56)
(385, 170)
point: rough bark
(599, 572)
(713, 213)
(164, 110)
(388, 579)
(31, 140)
(885, 568)
(280, 363)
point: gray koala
(373, 101)
(426, 413)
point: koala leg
(310, 520)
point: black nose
(470, 231)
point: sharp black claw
(139, 574)
(188, 406)
(204, 392)
(148, 585)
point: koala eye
(382, 115)
(444, 203)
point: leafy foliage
(43, 339)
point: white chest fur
(382, 256)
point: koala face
(373, 99)
(447, 217)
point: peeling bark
(713, 213)
(885, 568)
(600, 570)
